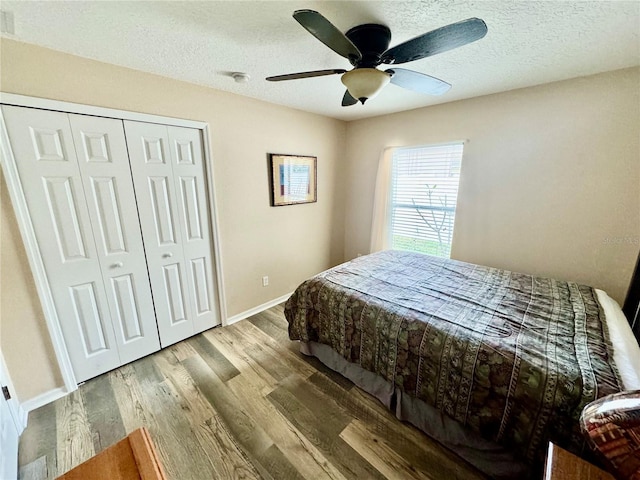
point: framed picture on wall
(292, 179)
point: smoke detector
(240, 77)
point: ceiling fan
(367, 46)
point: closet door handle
(117, 265)
(167, 255)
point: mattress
(487, 456)
(511, 357)
(626, 351)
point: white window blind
(424, 191)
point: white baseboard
(258, 309)
(57, 393)
(43, 399)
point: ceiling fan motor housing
(372, 40)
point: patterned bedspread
(511, 356)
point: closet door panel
(61, 195)
(156, 194)
(43, 146)
(104, 167)
(163, 217)
(189, 176)
(133, 328)
(175, 290)
(89, 317)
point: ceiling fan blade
(315, 73)
(327, 33)
(437, 41)
(418, 82)
(348, 99)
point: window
(424, 191)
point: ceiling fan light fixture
(365, 83)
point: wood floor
(236, 402)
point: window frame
(430, 246)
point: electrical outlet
(265, 280)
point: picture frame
(292, 179)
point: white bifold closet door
(168, 174)
(74, 171)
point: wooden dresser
(562, 465)
(132, 458)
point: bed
(491, 363)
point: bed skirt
(486, 456)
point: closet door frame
(10, 171)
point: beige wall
(550, 179)
(287, 243)
(550, 175)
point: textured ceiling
(528, 43)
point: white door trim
(35, 258)
(19, 414)
(8, 163)
(68, 107)
(13, 420)
(214, 225)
